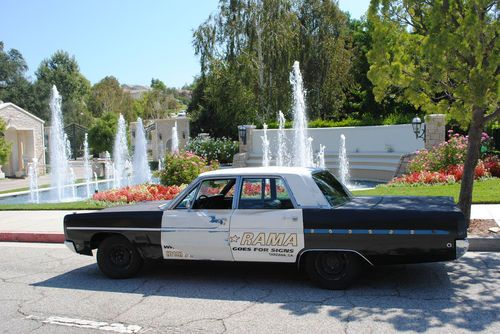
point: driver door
(198, 228)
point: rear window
(331, 188)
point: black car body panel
(389, 230)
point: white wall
(361, 139)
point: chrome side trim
(331, 250)
(146, 229)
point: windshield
(332, 189)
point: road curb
(48, 237)
(484, 244)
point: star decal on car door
(234, 238)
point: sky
(131, 40)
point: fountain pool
(44, 195)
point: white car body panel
(266, 235)
(196, 234)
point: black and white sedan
(273, 214)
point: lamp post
(418, 127)
(242, 132)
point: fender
(330, 250)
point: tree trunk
(475, 132)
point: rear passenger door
(265, 226)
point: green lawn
(82, 205)
(485, 191)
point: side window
(215, 194)
(264, 193)
(188, 200)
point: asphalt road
(48, 289)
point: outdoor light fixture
(183, 135)
(418, 127)
(242, 132)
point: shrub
(445, 163)
(220, 149)
(444, 155)
(183, 167)
(492, 163)
(139, 193)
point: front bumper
(461, 247)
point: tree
(108, 96)
(62, 70)
(5, 147)
(102, 133)
(254, 43)
(14, 86)
(443, 58)
(159, 102)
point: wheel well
(99, 237)
(301, 258)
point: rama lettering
(269, 239)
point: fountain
(282, 152)
(301, 156)
(96, 185)
(86, 165)
(265, 148)
(343, 163)
(321, 157)
(60, 176)
(175, 139)
(140, 165)
(120, 153)
(33, 175)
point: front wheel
(333, 270)
(118, 258)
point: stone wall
(160, 139)
(435, 132)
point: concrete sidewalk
(33, 226)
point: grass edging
(485, 191)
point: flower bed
(445, 163)
(139, 193)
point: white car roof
(271, 170)
(302, 185)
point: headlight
(461, 246)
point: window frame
(285, 183)
(197, 187)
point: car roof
(271, 170)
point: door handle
(294, 219)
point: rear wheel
(333, 270)
(118, 258)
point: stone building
(25, 132)
(159, 134)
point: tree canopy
(246, 54)
(442, 57)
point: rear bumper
(70, 245)
(461, 247)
